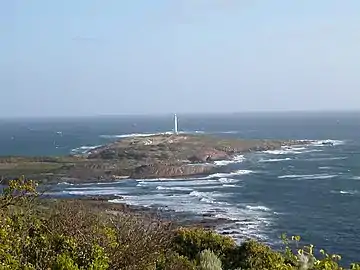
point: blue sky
(89, 57)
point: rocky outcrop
(208, 156)
(164, 170)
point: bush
(209, 261)
(190, 242)
(69, 235)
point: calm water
(313, 191)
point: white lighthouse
(175, 124)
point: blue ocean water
(313, 191)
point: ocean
(312, 191)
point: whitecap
(258, 207)
(236, 159)
(308, 176)
(65, 184)
(282, 152)
(229, 185)
(225, 175)
(274, 160)
(346, 192)
(174, 188)
(227, 180)
(84, 149)
(328, 142)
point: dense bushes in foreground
(71, 236)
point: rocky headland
(157, 156)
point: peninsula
(156, 156)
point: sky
(111, 57)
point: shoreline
(150, 157)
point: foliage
(190, 242)
(209, 261)
(71, 236)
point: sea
(312, 191)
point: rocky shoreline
(156, 156)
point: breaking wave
(346, 192)
(226, 175)
(308, 176)
(258, 207)
(84, 149)
(236, 159)
(274, 160)
(174, 188)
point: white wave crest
(229, 185)
(65, 184)
(308, 176)
(84, 149)
(174, 188)
(274, 160)
(236, 159)
(282, 152)
(258, 207)
(226, 175)
(328, 142)
(227, 180)
(345, 192)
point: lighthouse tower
(175, 124)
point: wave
(226, 175)
(65, 184)
(236, 159)
(249, 221)
(258, 207)
(227, 180)
(308, 176)
(282, 151)
(84, 149)
(324, 168)
(346, 192)
(229, 185)
(274, 160)
(174, 188)
(327, 142)
(326, 158)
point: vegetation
(71, 236)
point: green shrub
(190, 242)
(173, 261)
(209, 261)
(70, 235)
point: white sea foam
(227, 180)
(274, 160)
(328, 142)
(282, 151)
(65, 184)
(236, 159)
(174, 188)
(230, 185)
(346, 192)
(258, 207)
(308, 176)
(226, 175)
(249, 220)
(84, 149)
(326, 158)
